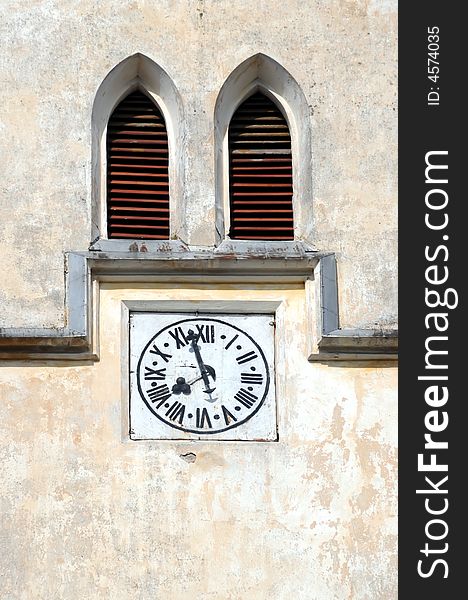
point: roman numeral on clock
(229, 344)
(161, 394)
(179, 337)
(202, 417)
(228, 416)
(155, 374)
(206, 333)
(176, 412)
(248, 356)
(246, 398)
(156, 350)
(252, 378)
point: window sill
(282, 249)
(135, 246)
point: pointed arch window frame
(137, 72)
(264, 74)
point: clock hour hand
(204, 372)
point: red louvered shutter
(137, 171)
(260, 172)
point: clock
(202, 376)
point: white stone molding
(262, 73)
(136, 72)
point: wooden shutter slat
(136, 226)
(243, 194)
(137, 182)
(161, 197)
(148, 192)
(141, 209)
(135, 120)
(262, 185)
(260, 203)
(140, 173)
(257, 148)
(140, 142)
(133, 163)
(259, 136)
(135, 133)
(260, 168)
(153, 218)
(141, 150)
(141, 236)
(255, 161)
(248, 126)
(263, 229)
(137, 170)
(146, 165)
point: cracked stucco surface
(88, 515)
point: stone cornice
(290, 262)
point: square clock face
(202, 376)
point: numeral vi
(202, 417)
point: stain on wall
(85, 512)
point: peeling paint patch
(189, 457)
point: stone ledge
(357, 344)
(335, 343)
(231, 262)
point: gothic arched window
(260, 172)
(137, 170)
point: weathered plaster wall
(55, 55)
(88, 514)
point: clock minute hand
(210, 371)
(193, 338)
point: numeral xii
(206, 333)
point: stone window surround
(264, 74)
(257, 73)
(135, 72)
(173, 260)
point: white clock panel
(202, 376)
